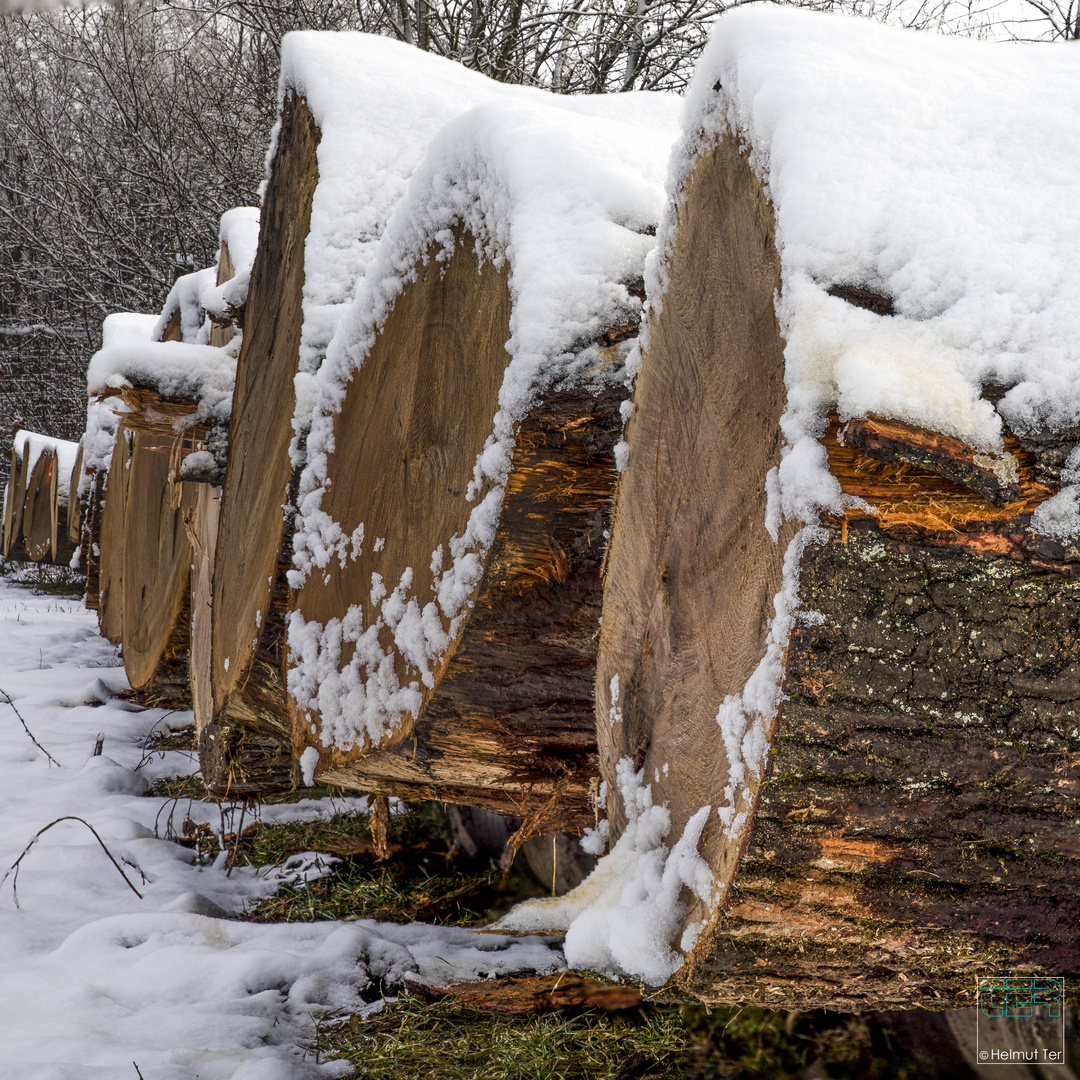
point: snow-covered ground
(95, 981)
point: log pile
(333, 183)
(38, 499)
(170, 401)
(527, 747)
(793, 633)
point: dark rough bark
(918, 824)
(90, 538)
(511, 727)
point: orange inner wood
(906, 495)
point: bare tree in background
(126, 131)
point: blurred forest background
(127, 129)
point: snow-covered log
(109, 543)
(38, 476)
(172, 396)
(837, 695)
(98, 445)
(491, 424)
(357, 114)
(37, 514)
(14, 496)
(70, 522)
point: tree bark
(916, 824)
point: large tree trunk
(90, 538)
(110, 544)
(504, 718)
(14, 497)
(916, 824)
(71, 523)
(37, 510)
(253, 552)
(156, 575)
(60, 493)
(202, 520)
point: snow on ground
(94, 978)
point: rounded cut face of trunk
(260, 429)
(157, 560)
(692, 571)
(37, 508)
(415, 418)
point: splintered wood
(507, 721)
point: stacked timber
(171, 399)
(36, 499)
(837, 694)
(352, 130)
(487, 700)
(98, 449)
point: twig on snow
(14, 867)
(8, 701)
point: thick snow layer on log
(377, 103)
(127, 328)
(198, 295)
(937, 172)
(239, 232)
(122, 328)
(186, 297)
(30, 446)
(568, 190)
(175, 369)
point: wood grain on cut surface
(259, 471)
(157, 565)
(13, 500)
(221, 331)
(692, 571)
(415, 417)
(510, 727)
(202, 522)
(111, 543)
(37, 508)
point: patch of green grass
(423, 880)
(179, 787)
(414, 1040)
(411, 1040)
